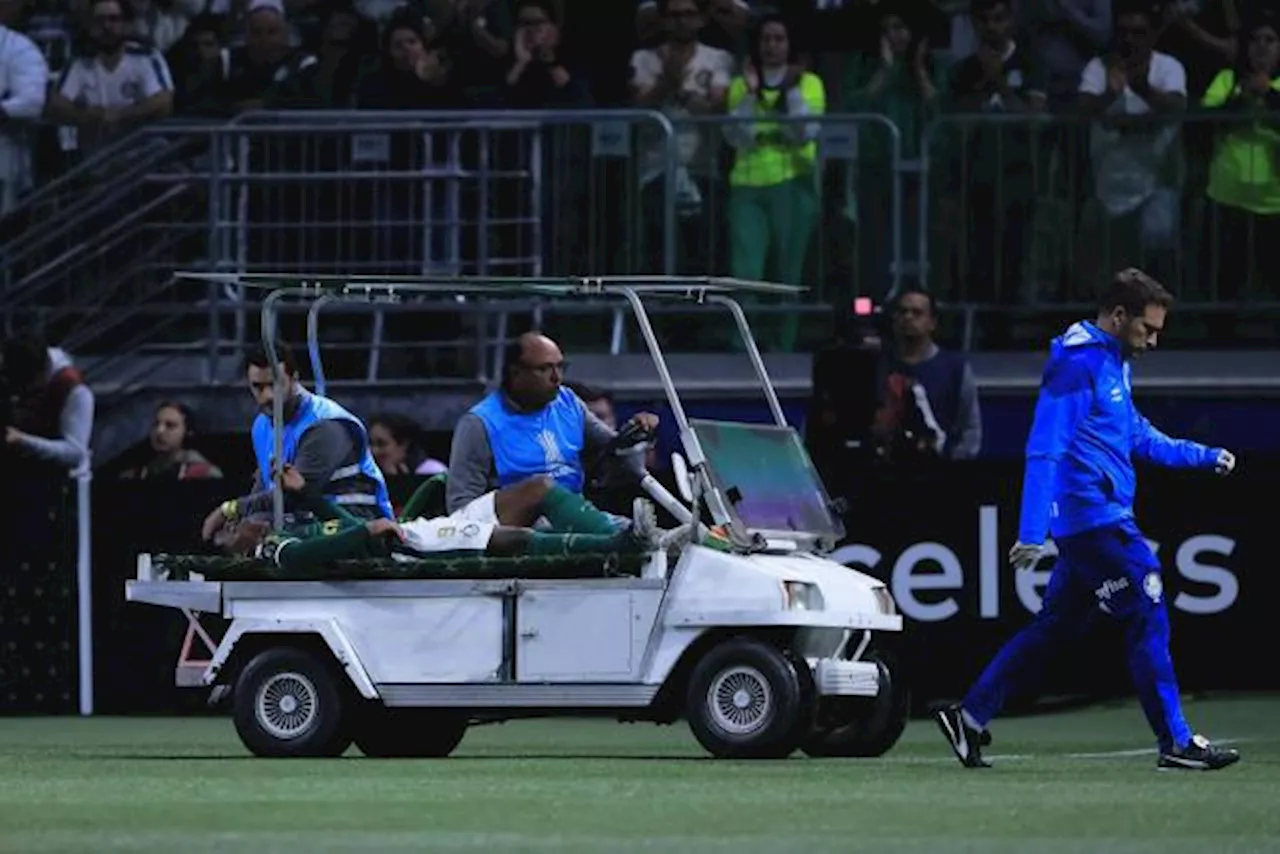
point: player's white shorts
(469, 529)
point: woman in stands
(172, 429)
(396, 443)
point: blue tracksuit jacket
(1079, 468)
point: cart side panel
(405, 639)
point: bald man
(531, 425)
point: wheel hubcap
(287, 705)
(740, 701)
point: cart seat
(460, 566)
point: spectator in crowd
(773, 200)
(24, 77)
(684, 77)
(965, 37)
(1203, 35)
(1244, 176)
(120, 86)
(412, 72)
(53, 414)
(774, 192)
(172, 428)
(1134, 154)
(396, 443)
(201, 66)
(267, 60)
(161, 23)
(996, 161)
(343, 50)
(902, 80)
(927, 391)
(477, 34)
(1068, 33)
(532, 425)
(727, 27)
(599, 403)
(539, 77)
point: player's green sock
(559, 545)
(427, 500)
(570, 513)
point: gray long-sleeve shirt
(471, 468)
(323, 448)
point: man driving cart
(532, 425)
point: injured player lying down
(496, 524)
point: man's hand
(1117, 79)
(1225, 462)
(12, 435)
(379, 527)
(1024, 555)
(213, 523)
(292, 479)
(647, 420)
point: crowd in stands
(1129, 184)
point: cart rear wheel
(289, 703)
(409, 733)
(746, 700)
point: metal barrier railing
(999, 211)
(1035, 210)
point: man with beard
(326, 444)
(121, 85)
(1078, 487)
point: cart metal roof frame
(331, 288)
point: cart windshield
(767, 481)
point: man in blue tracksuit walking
(1078, 487)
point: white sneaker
(644, 524)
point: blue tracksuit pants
(1111, 569)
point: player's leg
(1018, 665)
(523, 503)
(1141, 607)
(428, 494)
(641, 536)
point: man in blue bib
(323, 441)
(531, 426)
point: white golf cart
(760, 642)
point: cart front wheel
(746, 700)
(289, 703)
(873, 727)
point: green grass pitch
(1076, 781)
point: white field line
(1016, 757)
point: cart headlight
(801, 596)
(884, 599)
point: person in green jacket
(773, 186)
(331, 534)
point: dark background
(136, 646)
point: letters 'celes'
(936, 567)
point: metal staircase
(100, 243)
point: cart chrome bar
(328, 289)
